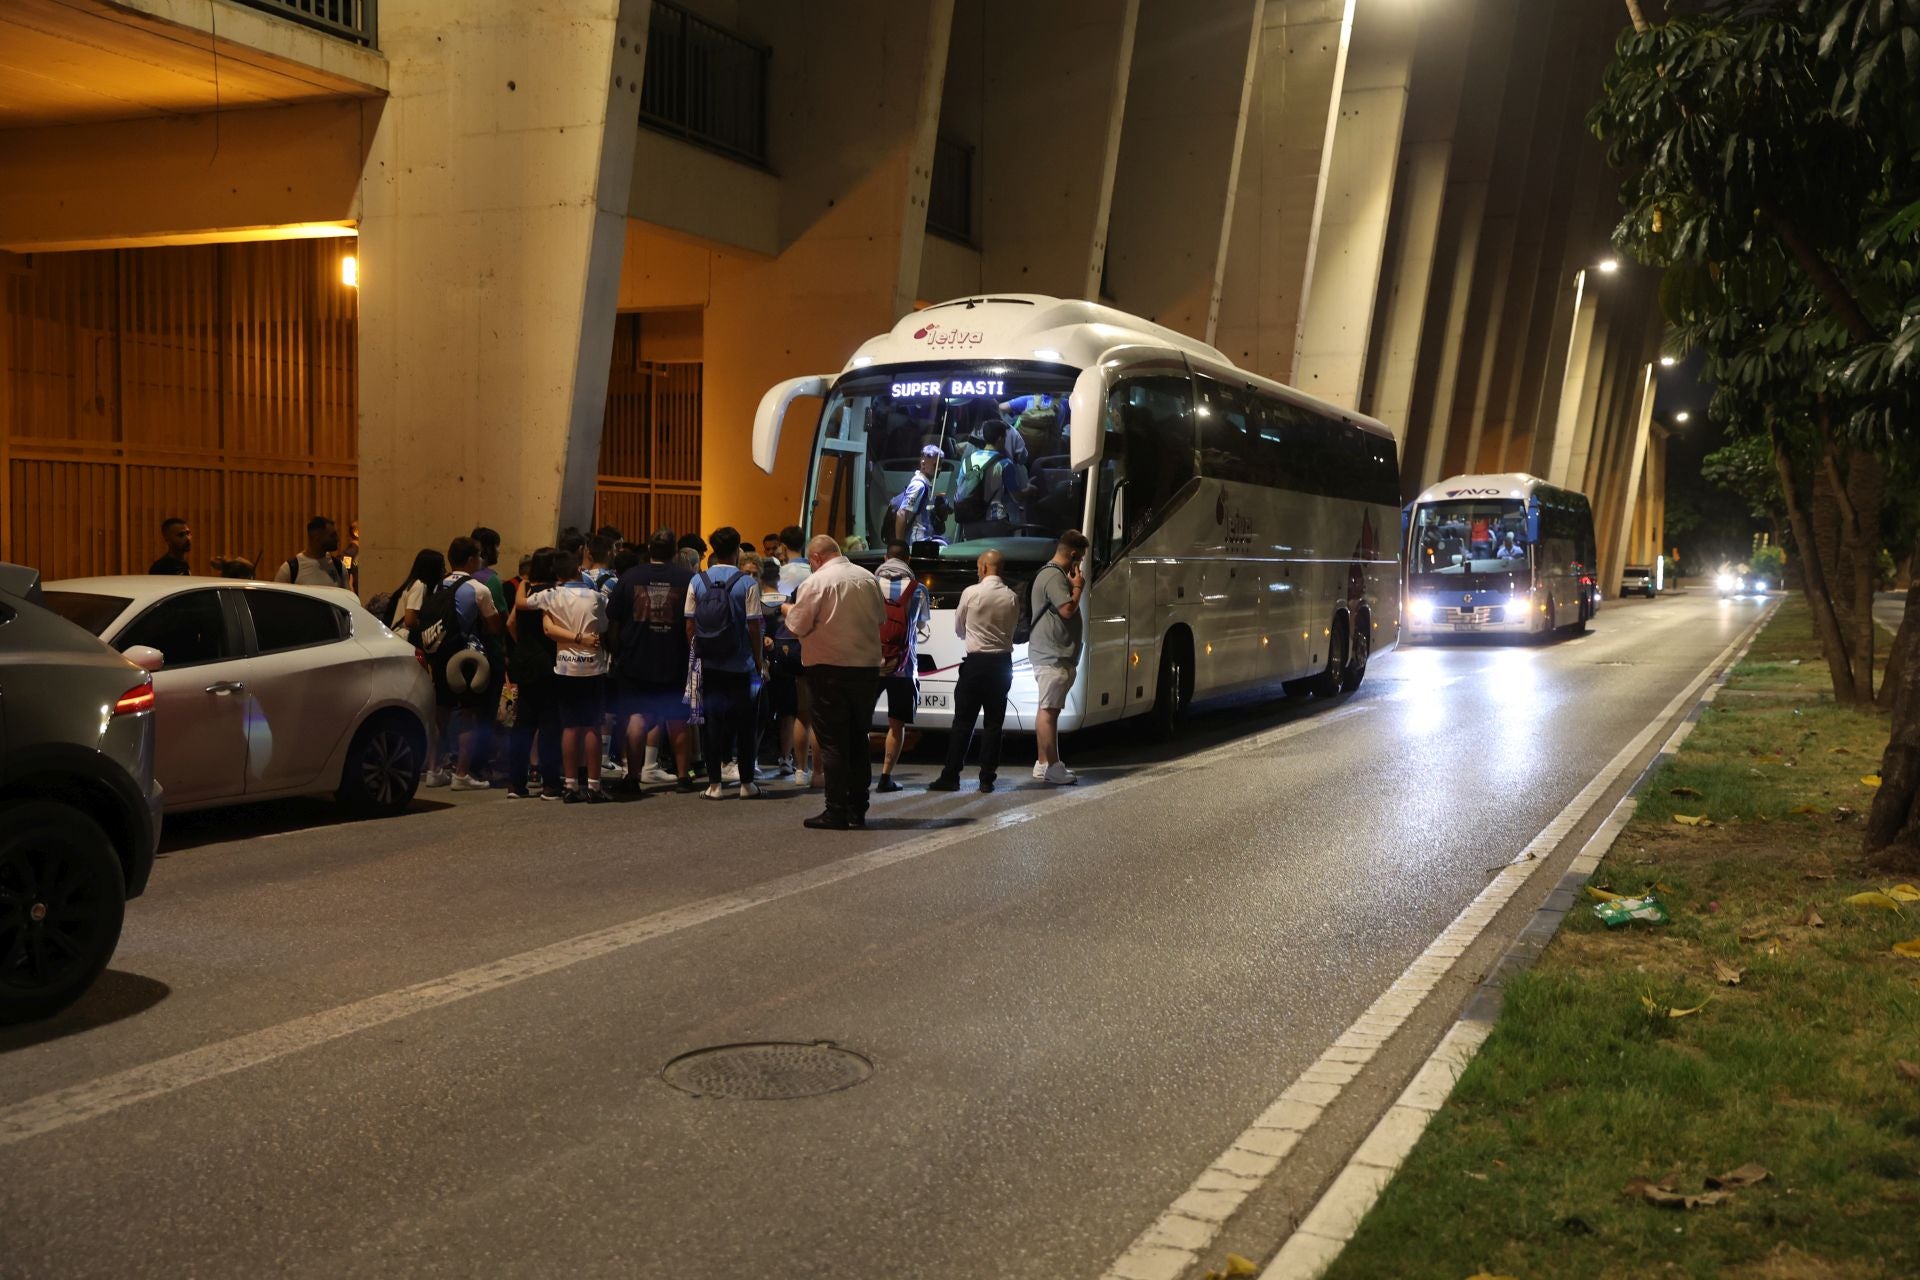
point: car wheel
(63, 897)
(1328, 683)
(1170, 695)
(384, 767)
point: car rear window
(283, 620)
(87, 609)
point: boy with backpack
(456, 629)
(985, 500)
(576, 620)
(901, 629)
(723, 626)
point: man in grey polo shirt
(1054, 648)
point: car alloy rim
(388, 768)
(51, 915)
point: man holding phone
(1053, 646)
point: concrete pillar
(1051, 141)
(1350, 240)
(1419, 196)
(1613, 550)
(1283, 181)
(1180, 157)
(1577, 367)
(493, 213)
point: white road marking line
(1330, 1225)
(1173, 1243)
(63, 1107)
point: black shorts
(901, 697)
(783, 695)
(581, 701)
(659, 703)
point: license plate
(933, 700)
(1466, 626)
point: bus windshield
(956, 458)
(1471, 536)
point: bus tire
(1175, 688)
(1358, 651)
(1579, 627)
(1328, 683)
(1552, 625)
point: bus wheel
(1579, 628)
(1547, 632)
(1170, 696)
(1357, 652)
(1327, 684)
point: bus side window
(1151, 421)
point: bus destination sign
(950, 387)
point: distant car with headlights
(79, 808)
(266, 690)
(1742, 582)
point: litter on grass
(1910, 948)
(1903, 893)
(1875, 898)
(1665, 1194)
(1657, 1010)
(1870, 780)
(1693, 819)
(1616, 911)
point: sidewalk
(1765, 1042)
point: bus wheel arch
(1173, 687)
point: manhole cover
(769, 1070)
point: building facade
(586, 236)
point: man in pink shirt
(837, 614)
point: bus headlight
(1727, 582)
(1421, 611)
(1517, 608)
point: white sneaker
(730, 772)
(803, 777)
(1039, 770)
(716, 792)
(462, 782)
(1059, 775)
(748, 790)
(612, 770)
(436, 778)
(654, 773)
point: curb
(1327, 1228)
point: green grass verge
(1580, 1089)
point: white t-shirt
(581, 608)
(793, 573)
(412, 600)
(313, 573)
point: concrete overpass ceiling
(66, 62)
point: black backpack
(437, 632)
(717, 626)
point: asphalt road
(1072, 999)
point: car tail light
(135, 700)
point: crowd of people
(602, 666)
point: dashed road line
(62, 1108)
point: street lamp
(1681, 416)
(1667, 362)
(1608, 266)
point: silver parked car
(79, 808)
(267, 690)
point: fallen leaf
(1499, 1164)
(1687, 792)
(1687, 1013)
(1693, 820)
(1870, 780)
(1910, 948)
(1661, 886)
(1666, 1197)
(1745, 1176)
(1812, 919)
(1477, 1177)
(1817, 875)
(1602, 895)
(1874, 898)
(1838, 751)
(1911, 1070)
(1727, 973)
(1805, 808)
(1904, 893)
(1755, 937)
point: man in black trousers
(985, 619)
(837, 614)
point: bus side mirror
(1084, 418)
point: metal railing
(950, 192)
(705, 84)
(352, 20)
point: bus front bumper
(1484, 620)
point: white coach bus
(1244, 535)
(1500, 553)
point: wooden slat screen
(215, 383)
(649, 442)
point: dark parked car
(79, 809)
